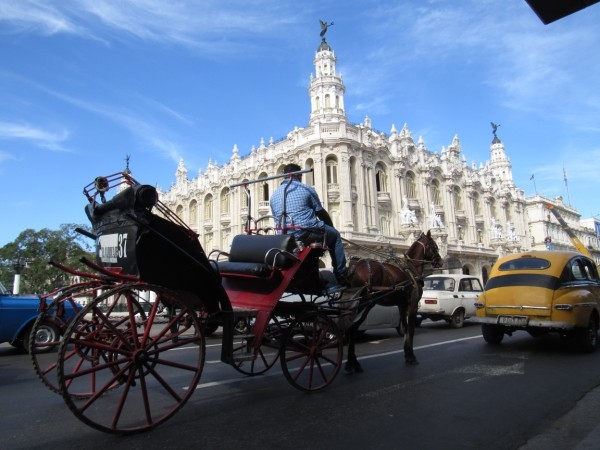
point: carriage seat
(258, 256)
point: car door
(468, 291)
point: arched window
(193, 213)
(436, 192)
(381, 178)
(179, 211)
(332, 170)
(384, 225)
(493, 209)
(225, 201)
(244, 197)
(309, 177)
(208, 207)
(264, 188)
(476, 204)
(411, 186)
(327, 101)
(457, 196)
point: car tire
(45, 332)
(458, 319)
(492, 334)
(587, 337)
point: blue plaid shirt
(301, 204)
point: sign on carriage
(111, 247)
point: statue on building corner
(436, 220)
(405, 212)
(495, 229)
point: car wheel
(44, 333)
(492, 334)
(587, 337)
(458, 319)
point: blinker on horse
(396, 282)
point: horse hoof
(353, 368)
(412, 362)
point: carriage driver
(302, 204)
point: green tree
(37, 248)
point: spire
(181, 173)
(454, 148)
(326, 89)
(500, 164)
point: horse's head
(431, 251)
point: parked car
(449, 297)
(541, 292)
(18, 314)
(382, 317)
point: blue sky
(86, 82)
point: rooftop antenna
(534, 186)
(567, 186)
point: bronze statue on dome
(494, 128)
(324, 26)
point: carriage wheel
(125, 362)
(47, 330)
(251, 361)
(312, 351)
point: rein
(392, 257)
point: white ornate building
(381, 190)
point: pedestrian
(303, 208)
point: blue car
(17, 317)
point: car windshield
(438, 284)
(525, 264)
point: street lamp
(18, 265)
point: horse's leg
(409, 354)
(403, 324)
(352, 364)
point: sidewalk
(579, 429)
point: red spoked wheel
(139, 369)
(250, 360)
(312, 352)
(47, 331)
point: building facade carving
(381, 189)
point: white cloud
(51, 140)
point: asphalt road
(524, 394)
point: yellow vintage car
(541, 292)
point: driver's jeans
(333, 241)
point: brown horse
(396, 282)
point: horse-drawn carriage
(134, 354)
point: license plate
(513, 321)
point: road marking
(377, 355)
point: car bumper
(532, 323)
